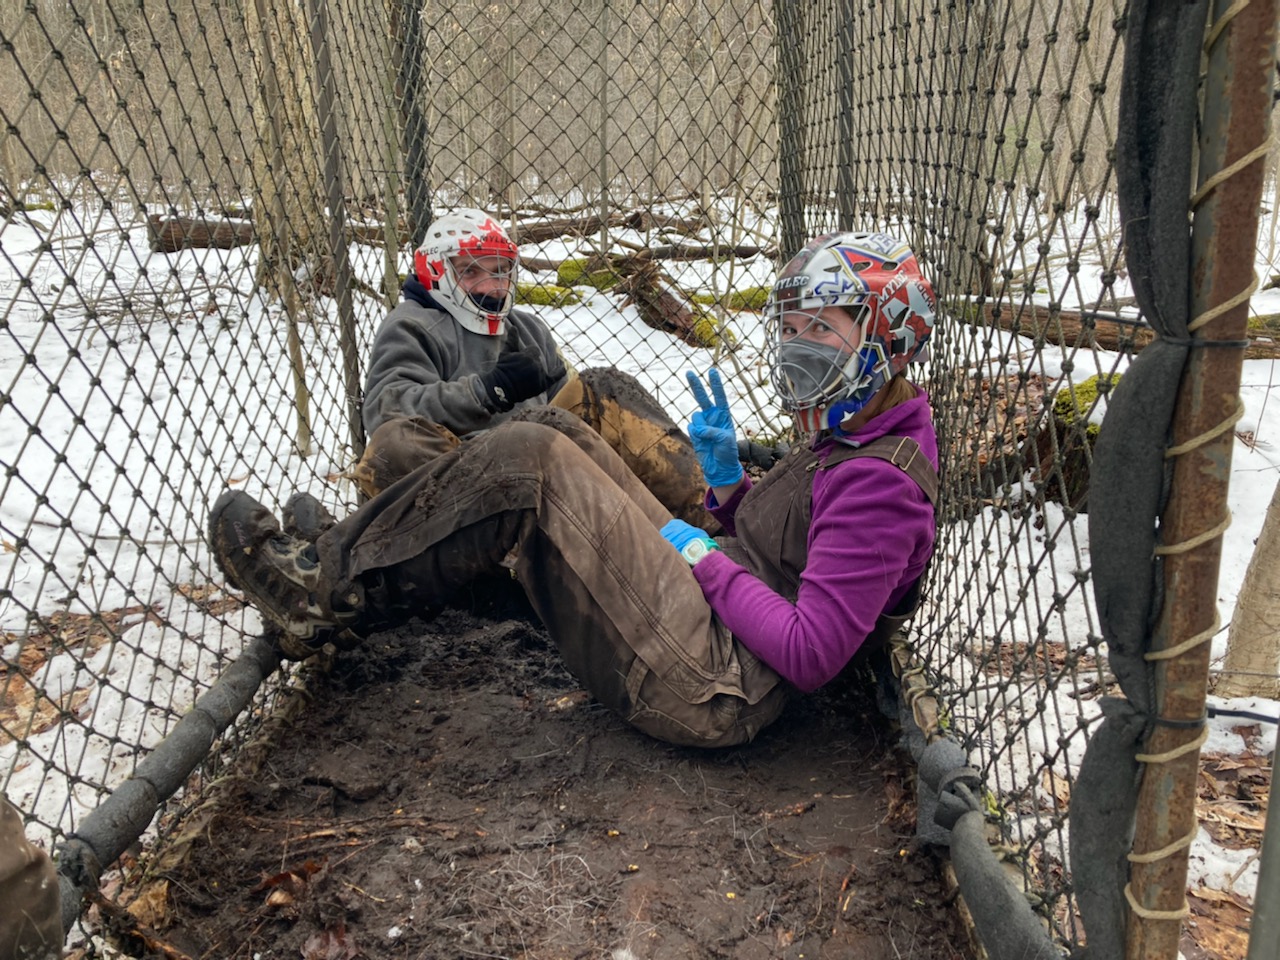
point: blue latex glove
(690, 542)
(711, 430)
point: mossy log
(1059, 456)
(660, 305)
(1061, 453)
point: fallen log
(1070, 328)
(701, 251)
(536, 263)
(620, 264)
(169, 235)
(375, 234)
(551, 229)
(586, 226)
(658, 302)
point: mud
(451, 792)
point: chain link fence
(208, 208)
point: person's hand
(711, 430)
(515, 377)
(690, 542)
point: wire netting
(207, 209)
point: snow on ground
(144, 416)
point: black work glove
(516, 377)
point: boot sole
(239, 527)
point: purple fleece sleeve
(870, 538)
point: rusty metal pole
(1234, 138)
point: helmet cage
(876, 279)
(807, 373)
(456, 238)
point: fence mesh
(208, 208)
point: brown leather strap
(904, 453)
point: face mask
(813, 372)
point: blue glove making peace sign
(711, 430)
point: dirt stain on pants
(611, 402)
(549, 499)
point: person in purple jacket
(691, 639)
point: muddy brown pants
(547, 498)
(609, 401)
(30, 916)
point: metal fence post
(1234, 138)
(1264, 925)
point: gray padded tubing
(1008, 927)
(1103, 799)
(1154, 141)
(120, 819)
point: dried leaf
(1233, 815)
(1057, 787)
(330, 945)
(288, 886)
(1219, 896)
(151, 906)
(794, 810)
(1218, 926)
(1212, 787)
(569, 701)
(279, 898)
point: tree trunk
(1253, 642)
(287, 209)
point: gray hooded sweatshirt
(426, 364)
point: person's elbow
(817, 663)
(813, 672)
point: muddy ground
(450, 792)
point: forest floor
(449, 791)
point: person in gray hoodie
(456, 358)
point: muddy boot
(305, 518)
(282, 578)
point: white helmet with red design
(452, 240)
(876, 279)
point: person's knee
(529, 440)
(30, 910)
(557, 418)
(397, 448)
